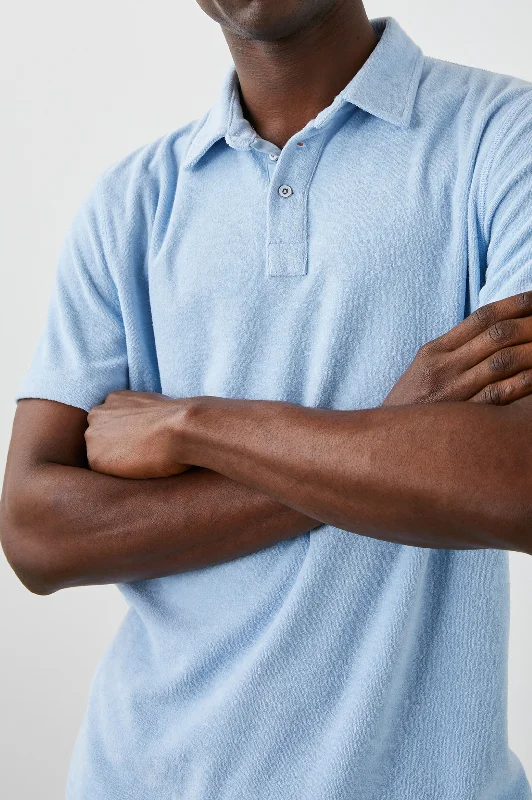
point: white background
(84, 84)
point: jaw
(266, 20)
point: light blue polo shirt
(332, 666)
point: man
(302, 329)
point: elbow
(25, 542)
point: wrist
(190, 425)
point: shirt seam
(106, 271)
(510, 117)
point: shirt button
(285, 191)
(273, 156)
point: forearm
(71, 526)
(444, 475)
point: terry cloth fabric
(332, 666)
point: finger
(519, 305)
(507, 391)
(502, 334)
(503, 364)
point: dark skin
(292, 57)
(450, 465)
(147, 486)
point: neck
(285, 83)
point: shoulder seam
(512, 114)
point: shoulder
(476, 116)
(134, 195)
(144, 172)
(472, 100)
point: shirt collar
(385, 86)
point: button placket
(287, 223)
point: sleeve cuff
(80, 391)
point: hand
(132, 435)
(486, 358)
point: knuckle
(525, 378)
(524, 300)
(492, 394)
(501, 361)
(95, 412)
(433, 379)
(427, 349)
(502, 331)
(483, 316)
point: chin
(266, 20)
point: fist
(486, 358)
(135, 435)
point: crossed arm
(147, 485)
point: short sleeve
(81, 354)
(506, 207)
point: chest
(320, 294)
